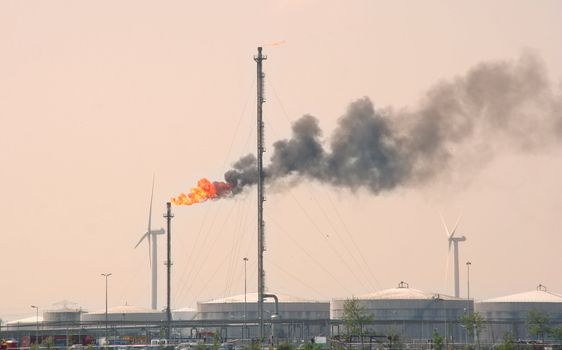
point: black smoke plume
(500, 104)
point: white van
(158, 342)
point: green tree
(474, 324)
(355, 318)
(216, 341)
(285, 346)
(437, 340)
(556, 333)
(48, 342)
(256, 345)
(507, 342)
(538, 323)
(394, 340)
(336, 345)
(311, 346)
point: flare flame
(204, 191)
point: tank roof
(253, 298)
(126, 309)
(185, 309)
(540, 295)
(27, 320)
(65, 309)
(404, 292)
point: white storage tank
(509, 313)
(292, 311)
(410, 313)
(124, 313)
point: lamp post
(245, 311)
(468, 263)
(36, 324)
(106, 275)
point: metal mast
(169, 217)
(260, 149)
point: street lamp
(106, 275)
(36, 324)
(245, 312)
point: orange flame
(204, 191)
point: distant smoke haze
(497, 104)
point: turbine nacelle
(161, 231)
(451, 234)
(147, 235)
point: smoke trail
(499, 104)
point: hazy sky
(97, 96)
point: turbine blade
(447, 233)
(150, 210)
(140, 240)
(456, 224)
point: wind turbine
(455, 242)
(151, 235)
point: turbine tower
(151, 235)
(455, 242)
